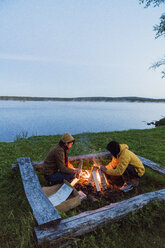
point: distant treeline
(82, 99)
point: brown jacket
(55, 162)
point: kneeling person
(124, 163)
(56, 166)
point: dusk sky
(74, 48)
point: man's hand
(103, 168)
(77, 172)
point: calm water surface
(50, 118)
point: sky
(79, 48)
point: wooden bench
(50, 225)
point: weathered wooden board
(36, 164)
(90, 220)
(156, 167)
(43, 210)
(89, 156)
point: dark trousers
(59, 177)
(129, 173)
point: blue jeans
(59, 177)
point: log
(38, 164)
(70, 228)
(43, 210)
(89, 156)
(103, 180)
(148, 163)
(95, 180)
(155, 167)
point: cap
(67, 138)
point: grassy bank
(146, 228)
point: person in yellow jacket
(124, 163)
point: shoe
(135, 182)
(126, 187)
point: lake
(51, 118)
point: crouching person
(124, 163)
(56, 166)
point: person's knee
(70, 177)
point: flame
(85, 174)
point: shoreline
(82, 99)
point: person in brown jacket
(56, 166)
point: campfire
(94, 178)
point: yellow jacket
(118, 165)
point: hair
(73, 141)
(114, 148)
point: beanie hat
(67, 138)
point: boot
(126, 187)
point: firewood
(103, 181)
(96, 181)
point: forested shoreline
(83, 99)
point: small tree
(159, 29)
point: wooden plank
(156, 167)
(42, 208)
(38, 164)
(94, 171)
(103, 180)
(96, 181)
(70, 228)
(89, 156)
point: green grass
(146, 228)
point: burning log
(75, 180)
(98, 179)
(95, 179)
(103, 179)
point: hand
(77, 172)
(103, 168)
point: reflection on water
(50, 118)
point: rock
(161, 122)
